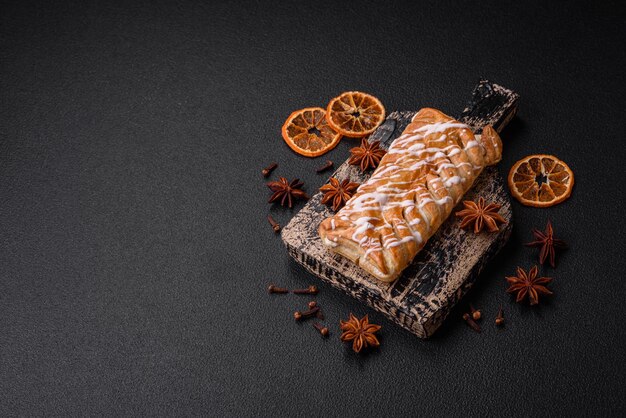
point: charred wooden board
(421, 298)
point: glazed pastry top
(415, 187)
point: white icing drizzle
(400, 205)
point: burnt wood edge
(435, 321)
(421, 326)
(338, 281)
(486, 97)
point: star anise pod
(367, 155)
(528, 284)
(337, 193)
(548, 244)
(286, 192)
(480, 215)
(360, 332)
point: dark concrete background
(134, 250)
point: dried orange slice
(307, 132)
(541, 180)
(355, 114)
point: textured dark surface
(445, 269)
(134, 250)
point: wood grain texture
(421, 298)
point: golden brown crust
(411, 193)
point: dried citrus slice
(355, 114)
(307, 132)
(541, 180)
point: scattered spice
(311, 290)
(275, 225)
(471, 322)
(360, 332)
(528, 284)
(325, 167)
(321, 328)
(286, 192)
(273, 289)
(500, 317)
(338, 193)
(306, 314)
(548, 244)
(480, 215)
(268, 170)
(312, 304)
(475, 313)
(367, 155)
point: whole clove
(325, 167)
(471, 322)
(274, 289)
(500, 317)
(476, 315)
(321, 328)
(268, 170)
(275, 225)
(306, 314)
(311, 290)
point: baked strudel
(425, 173)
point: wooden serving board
(421, 298)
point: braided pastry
(425, 173)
